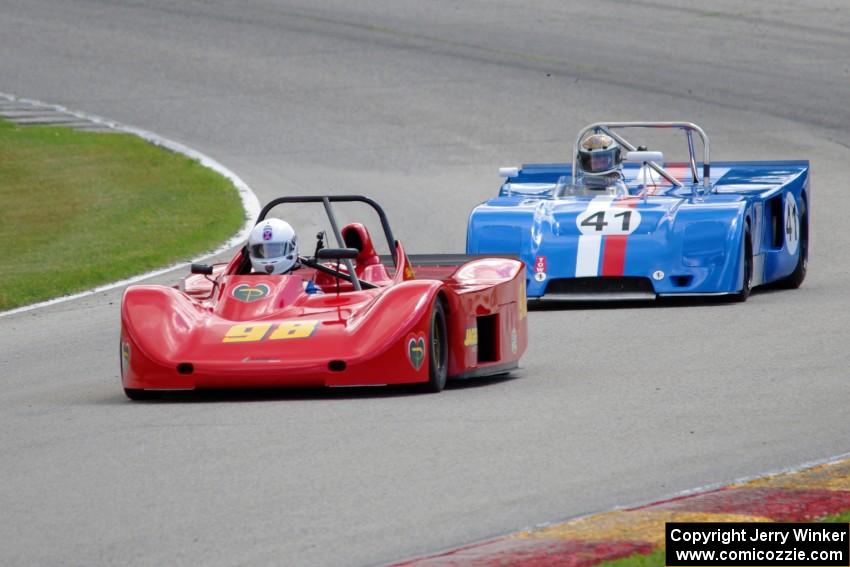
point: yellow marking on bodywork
(246, 333)
(293, 330)
(471, 338)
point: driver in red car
(273, 250)
(273, 247)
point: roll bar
(326, 201)
(688, 127)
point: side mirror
(202, 269)
(644, 156)
(337, 254)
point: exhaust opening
(337, 365)
(185, 368)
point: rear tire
(141, 395)
(438, 351)
(747, 284)
(796, 278)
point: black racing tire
(796, 278)
(438, 351)
(747, 284)
(142, 395)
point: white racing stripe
(590, 245)
(249, 200)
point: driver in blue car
(600, 164)
(273, 250)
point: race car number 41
(612, 221)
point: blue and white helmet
(273, 247)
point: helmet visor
(599, 161)
(271, 250)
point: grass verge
(81, 209)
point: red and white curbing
(793, 495)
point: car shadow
(308, 394)
(660, 302)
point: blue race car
(619, 224)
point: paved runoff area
(790, 497)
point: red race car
(345, 317)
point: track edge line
(250, 202)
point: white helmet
(273, 247)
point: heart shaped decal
(416, 351)
(247, 293)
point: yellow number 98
(249, 333)
(293, 330)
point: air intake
(605, 288)
(185, 368)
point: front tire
(438, 353)
(796, 278)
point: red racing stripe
(614, 246)
(614, 255)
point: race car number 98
(254, 332)
(611, 221)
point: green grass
(657, 557)
(80, 209)
(842, 517)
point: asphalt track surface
(417, 104)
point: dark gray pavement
(417, 104)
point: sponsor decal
(408, 273)
(471, 338)
(255, 332)
(125, 358)
(267, 232)
(540, 265)
(249, 293)
(792, 224)
(539, 268)
(514, 341)
(416, 351)
(658, 275)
